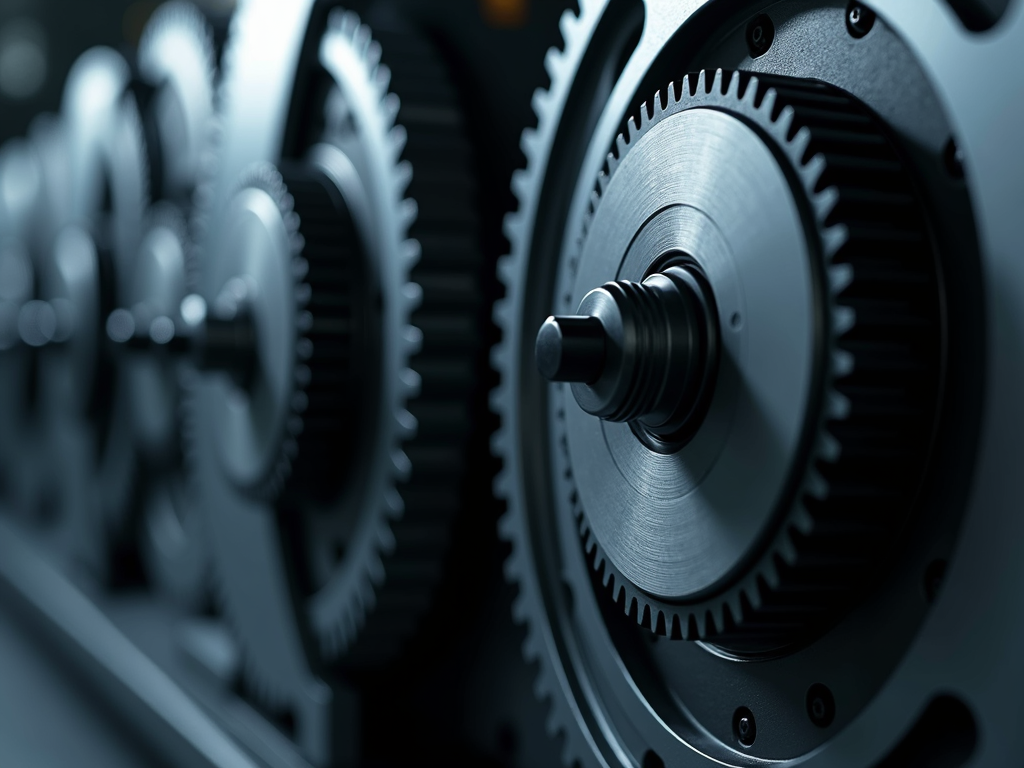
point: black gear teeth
(397, 581)
(881, 286)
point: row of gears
(758, 374)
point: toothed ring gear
(736, 384)
(828, 313)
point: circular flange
(622, 694)
(679, 525)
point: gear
(176, 57)
(358, 498)
(82, 280)
(734, 216)
(880, 366)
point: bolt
(821, 705)
(859, 19)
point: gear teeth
(529, 144)
(791, 126)
(840, 276)
(833, 239)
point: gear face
(782, 238)
(831, 369)
(347, 507)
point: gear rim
(585, 738)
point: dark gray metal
(618, 697)
(176, 726)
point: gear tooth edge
(843, 320)
(837, 406)
(567, 25)
(631, 126)
(842, 363)
(403, 177)
(552, 61)
(407, 212)
(502, 307)
(611, 163)
(839, 275)
(520, 184)
(412, 294)
(412, 251)
(529, 144)
(702, 81)
(660, 103)
(397, 138)
(408, 425)
(520, 612)
(394, 504)
(686, 87)
(825, 202)
(413, 338)
(372, 55)
(785, 549)
(412, 382)
(802, 520)
(832, 239)
(390, 105)
(768, 100)
(540, 102)
(732, 89)
(621, 147)
(815, 486)
(594, 202)
(645, 116)
(718, 83)
(602, 182)
(512, 225)
(830, 449)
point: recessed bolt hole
(859, 19)
(953, 157)
(744, 727)
(651, 760)
(760, 35)
(933, 576)
(735, 321)
(821, 705)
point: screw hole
(760, 35)
(821, 705)
(859, 19)
(744, 727)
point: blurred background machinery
(487, 382)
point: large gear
(631, 243)
(344, 507)
(880, 367)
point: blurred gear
(86, 411)
(331, 448)
(177, 59)
(765, 395)
(176, 63)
